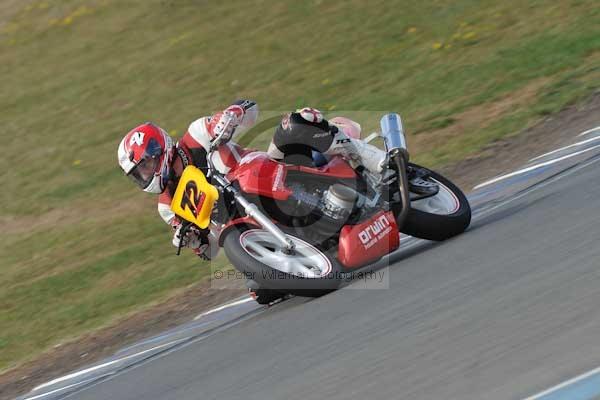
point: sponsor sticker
(375, 232)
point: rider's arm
(201, 133)
(164, 209)
(202, 130)
(233, 121)
(248, 118)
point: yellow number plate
(194, 197)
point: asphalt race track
(504, 311)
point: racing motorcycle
(301, 229)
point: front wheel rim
(445, 202)
(306, 261)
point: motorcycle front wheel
(307, 271)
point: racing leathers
(192, 150)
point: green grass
(81, 246)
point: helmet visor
(144, 171)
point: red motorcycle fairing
(368, 241)
(258, 174)
(234, 223)
(335, 168)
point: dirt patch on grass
(8, 8)
(506, 154)
(98, 211)
(498, 157)
(476, 118)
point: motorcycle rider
(148, 155)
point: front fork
(252, 211)
(395, 145)
(401, 159)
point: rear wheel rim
(306, 261)
(445, 202)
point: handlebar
(185, 226)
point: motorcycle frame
(395, 143)
(249, 208)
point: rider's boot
(418, 182)
(262, 295)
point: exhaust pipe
(395, 145)
(393, 135)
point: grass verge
(81, 246)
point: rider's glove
(203, 251)
(195, 239)
(226, 122)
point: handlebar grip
(182, 232)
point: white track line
(39, 396)
(565, 384)
(567, 147)
(96, 367)
(589, 131)
(538, 186)
(534, 167)
(166, 352)
(224, 306)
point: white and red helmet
(145, 156)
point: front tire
(258, 255)
(439, 217)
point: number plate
(194, 197)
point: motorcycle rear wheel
(439, 217)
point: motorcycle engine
(339, 201)
(336, 202)
(324, 209)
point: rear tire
(271, 278)
(434, 226)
